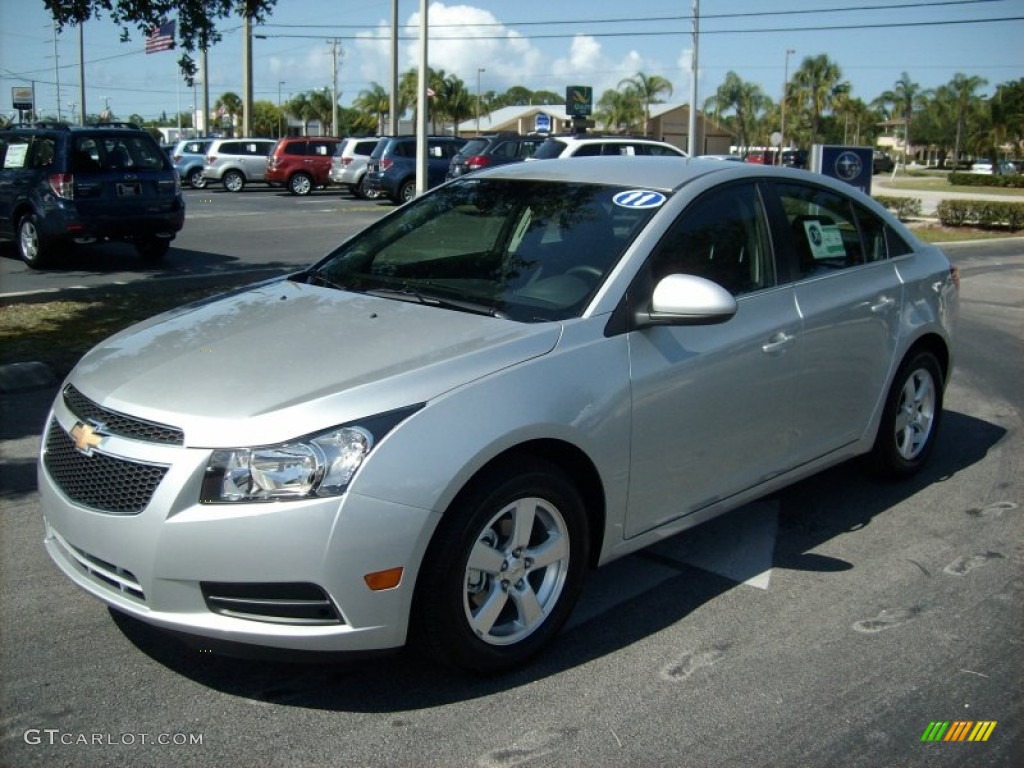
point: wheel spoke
(485, 558)
(555, 549)
(483, 620)
(526, 511)
(526, 602)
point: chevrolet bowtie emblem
(86, 437)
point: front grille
(115, 423)
(278, 603)
(119, 579)
(98, 481)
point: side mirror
(687, 300)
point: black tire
(152, 248)
(406, 192)
(300, 184)
(359, 190)
(497, 615)
(233, 181)
(33, 248)
(910, 420)
(196, 180)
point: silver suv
(585, 145)
(348, 166)
(236, 162)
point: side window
(43, 149)
(822, 229)
(622, 149)
(230, 148)
(723, 237)
(86, 155)
(654, 149)
(294, 148)
(587, 150)
(505, 149)
(14, 150)
(321, 148)
(528, 148)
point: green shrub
(904, 207)
(981, 213)
(985, 180)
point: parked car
(589, 145)
(391, 169)
(188, 157)
(496, 149)
(997, 168)
(348, 166)
(762, 157)
(62, 185)
(881, 162)
(794, 158)
(431, 434)
(237, 162)
(301, 163)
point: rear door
(850, 296)
(254, 158)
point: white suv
(348, 166)
(236, 162)
(585, 145)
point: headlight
(314, 466)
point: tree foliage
(196, 27)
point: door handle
(777, 342)
(882, 304)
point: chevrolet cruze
(430, 435)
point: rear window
(473, 147)
(551, 148)
(116, 153)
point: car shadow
(614, 613)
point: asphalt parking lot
(828, 625)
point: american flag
(161, 38)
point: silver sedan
(431, 434)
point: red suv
(301, 163)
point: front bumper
(153, 564)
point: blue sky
(541, 45)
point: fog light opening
(381, 580)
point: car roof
(663, 173)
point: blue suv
(391, 170)
(62, 185)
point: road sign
(22, 98)
(579, 100)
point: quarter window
(721, 237)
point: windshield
(525, 250)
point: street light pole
(785, 91)
(280, 130)
(479, 71)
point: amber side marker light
(388, 579)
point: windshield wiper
(407, 293)
(319, 278)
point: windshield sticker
(639, 198)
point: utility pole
(81, 71)
(478, 71)
(393, 114)
(246, 76)
(692, 143)
(56, 68)
(335, 44)
(785, 92)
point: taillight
(62, 185)
(386, 163)
(954, 274)
(210, 159)
(478, 161)
(346, 161)
(175, 159)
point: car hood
(285, 359)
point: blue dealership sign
(542, 123)
(849, 164)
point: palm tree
(300, 107)
(454, 100)
(374, 101)
(904, 97)
(619, 110)
(962, 88)
(745, 100)
(649, 89)
(816, 86)
(322, 106)
(230, 105)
